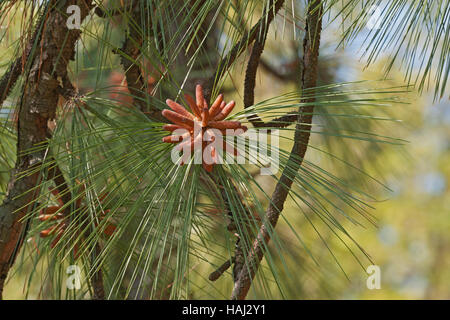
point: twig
(64, 192)
(246, 40)
(238, 259)
(10, 77)
(103, 13)
(231, 227)
(135, 80)
(249, 97)
(283, 121)
(250, 74)
(311, 45)
(97, 278)
(224, 267)
(250, 80)
(60, 183)
(291, 76)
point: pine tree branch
(11, 76)
(250, 75)
(250, 81)
(9, 79)
(224, 267)
(37, 106)
(291, 76)
(60, 182)
(311, 45)
(97, 279)
(258, 34)
(247, 39)
(288, 76)
(103, 13)
(132, 51)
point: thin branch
(283, 121)
(250, 78)
(239, 258)
(56, 174)
(250, 74)
(224, 267)
(231, 227)
(247, 39)
(9, 79)
(97, 278)
(311, 45)
(135, 80)
(104, 13)
(60, 182)
(289, 76)
(11, 76)
(261, 29)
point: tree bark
(37, 106)
(311, 45)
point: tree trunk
(48, 68)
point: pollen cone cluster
(197, 127)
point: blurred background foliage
(407, 234)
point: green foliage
(170, 220)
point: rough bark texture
(249, 98)
(258, 34)
(252, 67)
(311, 45)
(37, 106)
(97, 278)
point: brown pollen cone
(211, 122)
